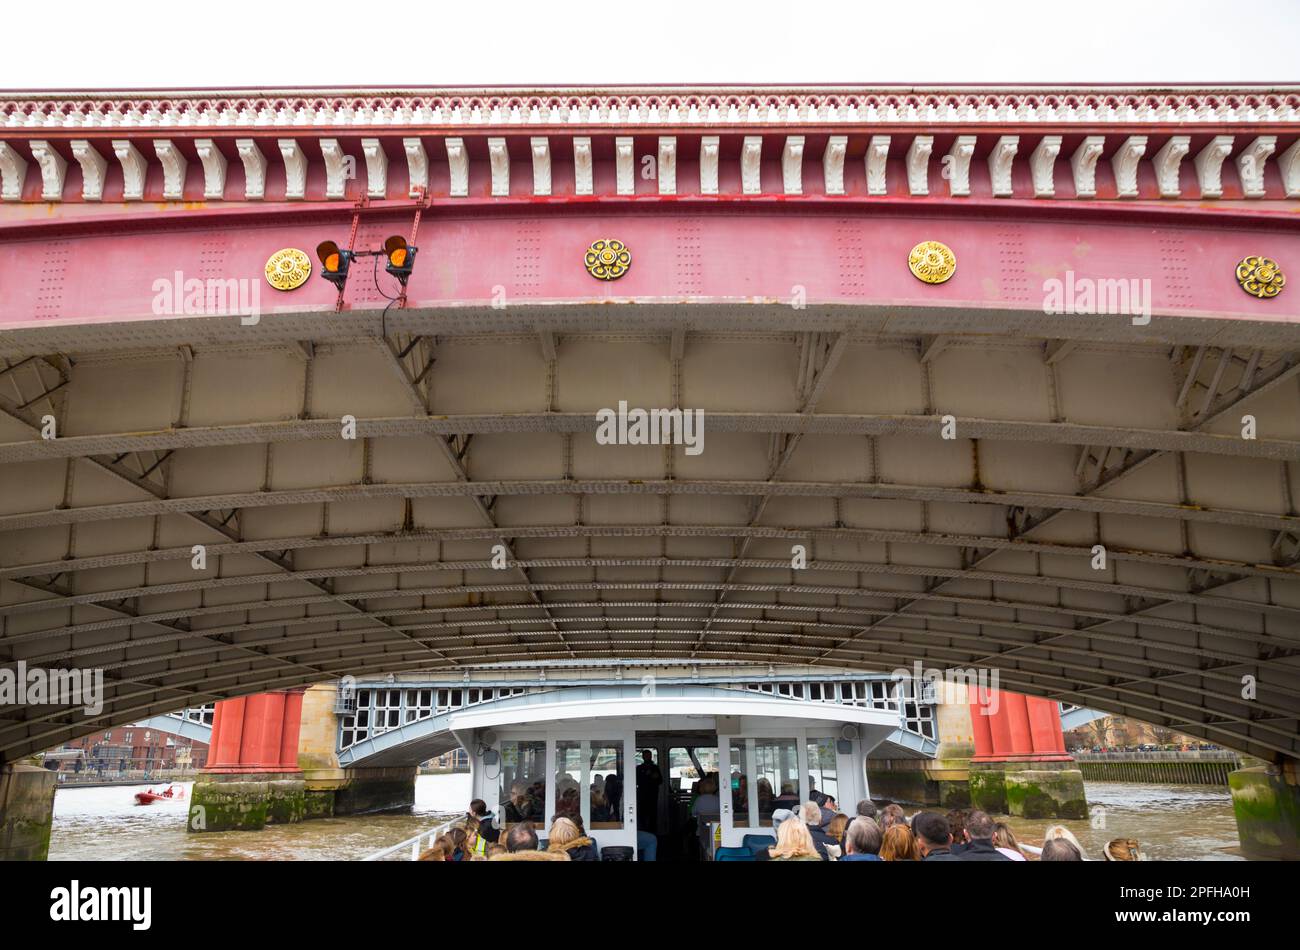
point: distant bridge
(378, 727)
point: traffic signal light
(401, 258)
(334, 263)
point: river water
(104, 824)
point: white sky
(595, 42)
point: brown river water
(103, 824)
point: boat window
(523, 781)
(740, 785)
(606, 765)
(568, 778)
(822, 769)
(776, 762)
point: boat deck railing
(415, 846)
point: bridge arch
(476, 423)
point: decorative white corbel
(541, 149)
(13, 170)
(336, 163)
(94, 169)
(214, 168)
(751, 157)
(1042, 165)
(876, 159)
(582, 165)
(458, 163)
(417, 167)
(1209, 165)
(709, 165)
(918, 164)
(1250, 165)
(1000, 159)
(295, 169)
(624, 165)
(957, 165)
(1083, 165)
(54, 170)
(376, 168)
(1168, 162)
(792, 165)
(667, 164)
(254, 169)
(499, 162)
(1289, 164)
(837, 147)
(174, 168)
(134, 169)
(1125, 165)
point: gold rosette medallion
(1260, 277)
(288, 269)
(608, 259)
(932, 262)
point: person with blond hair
(565, 837)
(899, 844)
(793, 843)
(1055, 832)
(1004, 839)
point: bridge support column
(336, 791)
(943, 780)
(252, 776)
(1266, 801)
(26, 811)
(1020, 766)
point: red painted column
(979, 722)
(1045, 723)
(290, 729)
(256, 733)
(1015, 726)
(1022, 743)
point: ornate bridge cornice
(230, 145)
(702, 106)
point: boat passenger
(565, 837)
(793, 843)
(933, 837)
(1004, 839)
(811, 814)
(979, 839)
(521, 845)
(899, 844)
(862, 840)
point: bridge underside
(823, 427)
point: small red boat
(170, 793)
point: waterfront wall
(1157, 768)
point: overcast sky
(226, 43)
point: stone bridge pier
(273, 760)
(1000, 752)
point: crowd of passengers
(815, 831)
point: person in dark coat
(565, 837)
(811, 813)
(933, 837)
(979, 839)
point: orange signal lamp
(401, 258)
(334, 263)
